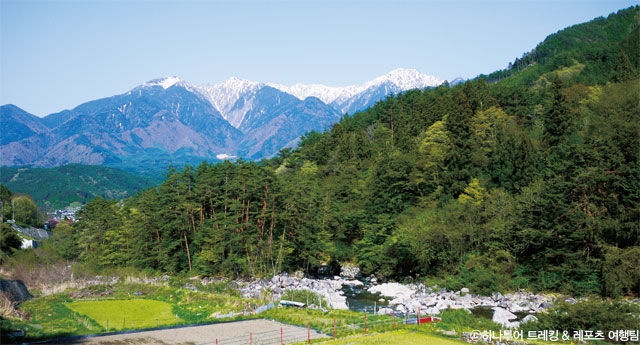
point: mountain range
(169, 121)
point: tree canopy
(524, 178)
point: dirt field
(232, 333)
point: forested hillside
(524, 178)
(60, 186)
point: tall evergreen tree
(458, 124)
(5, 201)
(557, 120)
(624, 69)
(97, 218)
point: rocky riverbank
(330, 289)
(394, 298)
(410, 298)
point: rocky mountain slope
(168, 121)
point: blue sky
(55, 55)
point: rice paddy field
(115, 315)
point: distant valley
(55, 188)
(169, 121)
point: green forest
(525, 178)
(55, 188)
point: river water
(359, 299)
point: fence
(377, 324)
(291, 334)
(286, 335)
(272, 334)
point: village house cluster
(68, 214)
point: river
(359, 299)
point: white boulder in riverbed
(336, 301)
(349, 271)
(353, 283)
(393, 290)
(400, 294)
(504, 317)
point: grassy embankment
(399, 337)
(104, 308)
(107, 308)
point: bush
(592, 314)
(9, 241)
(621, 271)
(460, 319)
(304, 296)
(485, 274)
(7, 307)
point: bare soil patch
(260, 332)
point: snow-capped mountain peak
(234, 85)
(357, 97)
(234, 97)
(406, 79)
(224, 96)
(165, 83)
(402, 78)
(179, 121)
(325, 93)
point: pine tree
(557, 120)
(624, 70)
(458, 124)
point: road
(231, 333)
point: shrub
(7, 307)
(304, 296)
(621, 271)
(460, 319)
(9, 241)
(592, 314)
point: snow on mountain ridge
(406, 79)
(225, 95)
(233, 98)
(403, 78)
(325, 93)
(165, 83)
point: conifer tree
(624, 70)
(558, 119)
(458, 124)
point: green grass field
(83, 312)
(400, 337)
(115, 315)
